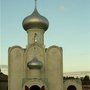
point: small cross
(35, 3)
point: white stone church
(37, 67)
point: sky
(69, 28)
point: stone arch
(35, 87)
(35, 83)
(72, 83)
(14, 47)
(58, 48)
(71, 87)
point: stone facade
(25, 70)
(51, 75)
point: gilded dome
(35, 21)
(34, 64)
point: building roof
(3, 77)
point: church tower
(35, 67)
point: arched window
(71, 87)
(26, 88)
(43, 88)
(34, 87)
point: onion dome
(35, 21)
(34, 64)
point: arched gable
(54, 67)
(16, 66)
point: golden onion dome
(35, 21)
(34, 64)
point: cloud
(62, 8)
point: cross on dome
(35, 3)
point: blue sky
(69, 27)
